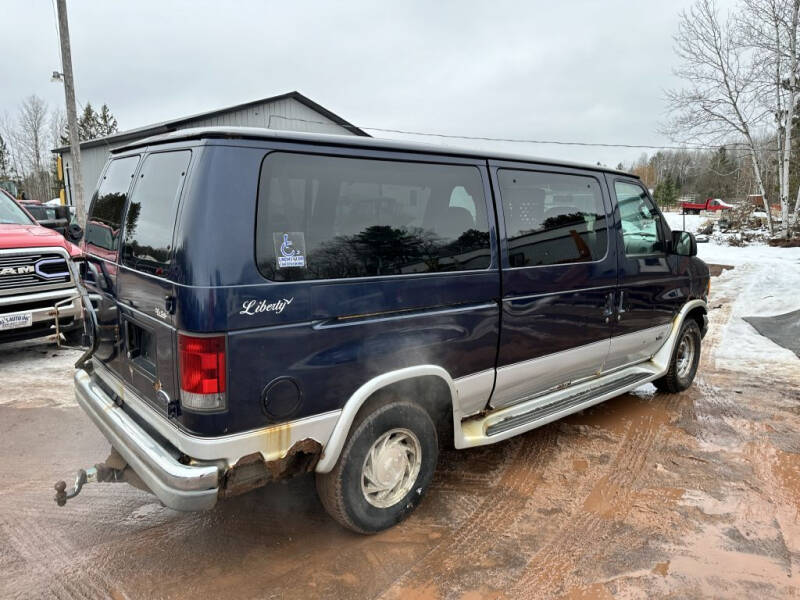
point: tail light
(202, 372)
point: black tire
(74, 337)
(341, 490)
(679, 377)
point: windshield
(10, 213)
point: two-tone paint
(499, 338)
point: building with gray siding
(292, 111)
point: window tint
(640, 220)
(150, 221)
(552, 218)
(105, 215)
(323, 217)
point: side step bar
(557, 406)
(508, 421)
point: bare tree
(770, 28)
(31, 137)
(722, 96)
(32, 130)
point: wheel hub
(391, 467)
(686, 351)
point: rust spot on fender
(252, 471)
(277, 440)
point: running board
(506, 422)
(560, 405)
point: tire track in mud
(612, 497)
(53, 567)
(607, 504)
(486, 525)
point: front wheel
(685, 358)
(385, 468)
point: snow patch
(765, 282)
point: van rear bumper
(178, 486)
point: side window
(328, 217)
(105, 216)
(552, 218)
(641, 231)
(150, 221)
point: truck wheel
(685, 358)
(384, 470)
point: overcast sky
(572, 70)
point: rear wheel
(385, 468)
(685, 358)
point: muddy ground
(692, 495)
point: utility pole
(72, 116)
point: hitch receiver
(96, 474)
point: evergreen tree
(92, 124)
(107, 123)
(666, 193)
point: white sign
(290, 249)
(16, 320)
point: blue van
(262, 304)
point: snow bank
(765, 282)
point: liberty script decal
(253, 307)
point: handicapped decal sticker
(290, 249)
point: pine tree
(666, 192)
(107, 123)
(92, 124)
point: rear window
(326, 217)
(105, 215)
(150, 221)
(552, 218)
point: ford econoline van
(263, 304)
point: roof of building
(328, 139)
(174, 124)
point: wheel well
(697, 314)
(429, 391)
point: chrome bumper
(178, 486)
(47, 313)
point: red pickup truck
(37, 278)
(694, 208)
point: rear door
(146, 292)
(559, 278)
(101, 245)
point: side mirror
(74, 233)
(683, 243)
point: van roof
(258, 133)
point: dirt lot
(693, 495)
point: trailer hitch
(97, 474)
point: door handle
(608, 311)
(621, 306)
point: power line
(526, 141)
